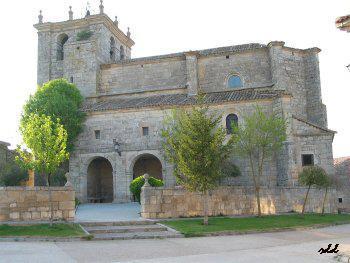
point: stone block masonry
(32, 203)
(174, 202)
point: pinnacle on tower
(116, 21)
(70, 13)
(101, 7)
(40, 16)
(128, 34)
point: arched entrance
(100, 181)
(148, 163)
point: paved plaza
(108, 212)
(290, 246)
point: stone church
(127, 98)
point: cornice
(83, 22)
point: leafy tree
(137, 183)
(46, 140)
(312, 176)
(194, 144)
(58, 99)
(257, 139)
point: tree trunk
(324, 200)
(205, 207)
(256, 180)
(257, 194)
(307, 194)
(50, 199)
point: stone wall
(32, 203)
(160, 202)
(342, 182)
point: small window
(227, 56)
(340, 200)
(145, 131)
(234, 82)
(231, 119)
(307, 159)
(97, 134)
(71, 79)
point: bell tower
(74, 49)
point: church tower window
(122, 53)
(112, 49)
(61, 40)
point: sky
(161, 27)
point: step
(118, 223)
(124, 229)
(136, 235)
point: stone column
(146, 192)
(192, 72)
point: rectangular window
(145, 131)
(307, 159)
(97, 134)
(340, 200)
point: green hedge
(137, 183)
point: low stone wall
(32, 203)
(160, 202)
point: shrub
(77, 202)
(137, 183)
(83, 35)
(12, 175)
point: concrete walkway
(108, 212)
(292, 246)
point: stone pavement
(291, 246)
(108, 212)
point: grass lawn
(42, 230)
(194, 227)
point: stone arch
(61, 40)
(100, 180)
(234, 75)
(147, 163)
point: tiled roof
(313, 124)
(181, 99)
(342, 19)
(341, 160)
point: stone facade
(32, 203)
(174, 202)
(127, 99)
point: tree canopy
(58, 99)
(313, 176)
(259, 136)
(194, 144)
(46, 140)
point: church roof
(181, 99)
